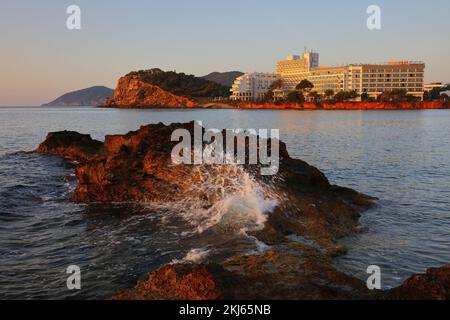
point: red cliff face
(131, 92)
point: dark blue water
(401, 157)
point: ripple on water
(399, 157)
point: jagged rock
(178, 282)
(71, 145)
(275, 275)
(433, 285)
(138, 167)
(303, 274)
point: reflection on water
(402, 157)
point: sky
(40, 58)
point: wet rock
(71, 145)
(138, 167)
(296, 274)
(275, 275)
(185, 282)
(433, 285)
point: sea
(400, 157)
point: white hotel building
(366, 79)
(369, 79)
(252, 86)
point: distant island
(92, 96)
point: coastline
(355, 106)
(432, 105)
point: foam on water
(227, 198)
(196, 255)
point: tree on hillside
(181, 84)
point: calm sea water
(401, 157)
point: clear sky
(41, 59)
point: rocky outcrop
(433, 285)
(133, 92)
(138, 167)
(276, 275)
(178, 282)
(298, 275)
(71, 145)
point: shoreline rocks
(433, 285)
(137, 167)
(277, 276)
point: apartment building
(369, 79)
(329, 78)
(374, 79)
(252, 86)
